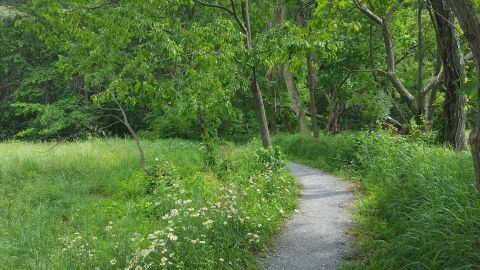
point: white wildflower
(172, 237)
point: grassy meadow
(87, 205)
(417, 206)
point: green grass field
(87, 205)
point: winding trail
(316, 237)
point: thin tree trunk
(256, 92)
(207, 139)
(134, 135)
(372, 54)
(438, 67)
(465, 11)
(297, 106)
(260, 108)
(302, 13)
(421, 96)
(286, 122)
(312, 86)
(296, 102)
(454, 75)
(338, 109)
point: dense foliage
(183, 70)
(417, 207)
(86, 205)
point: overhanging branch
(232, 12)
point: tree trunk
(135, 137)
(286, 123)
(303, 12)
(421, 96)
(207, 139)
(464, 10)
(454, 75)
(338, 109)
(438, 67)
(260, 109)
(272, 123)
(296, 102)
(257, 94)
(297, 106)
(312, 86)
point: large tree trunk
(454, 75)
(464, 10)
(257, 93)
(297, 105)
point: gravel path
(316, 237)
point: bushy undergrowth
(86, 205)
(419, 208)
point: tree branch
(368, 12)
(433, 81)
(237, 18)
(392, 11)
(232, 12)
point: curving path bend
(316, 237)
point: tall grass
(87, 205)
(419, 208)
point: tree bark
(454, 74)
(464, 10)
(297, 105)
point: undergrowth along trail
(418, 206)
